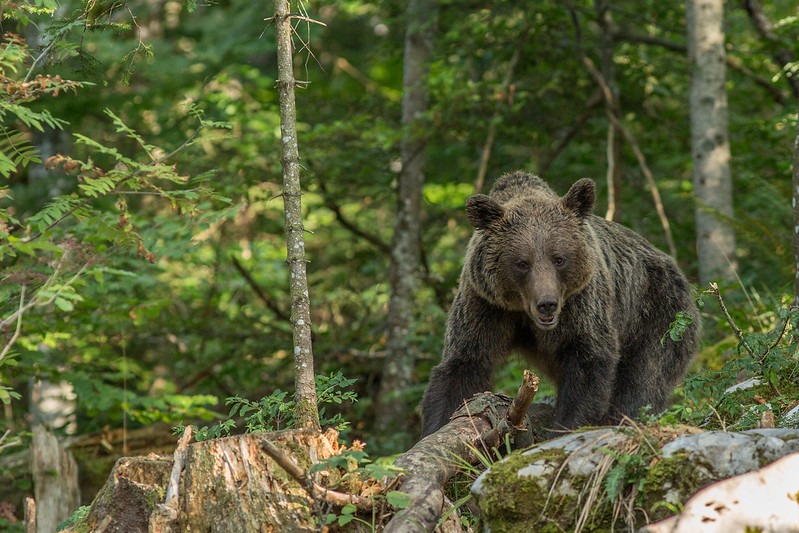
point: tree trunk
(614, 138)
(795, 195)
(55, 480)
(304, 382)
(393, 404)
(709, 141)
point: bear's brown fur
(585, 300)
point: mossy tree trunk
(305, 389)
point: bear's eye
(523, 265)
(558, 261)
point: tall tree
(710, 146)
(405, 249)
(304, 382)
(795, 202)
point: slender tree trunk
(305, 388)
(393, 406)
(796, 212)
(709, 141)
(608, 70)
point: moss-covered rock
(592, 480)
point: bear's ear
(482, 211)
(581, 197)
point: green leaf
(345, 519)
(64, 304)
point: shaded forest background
(149, 257)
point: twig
(353, 228)
(41, 56)
(18, 329)
(314, 489)
(639, 155)
(782, 333)
(524, 397)
(577, 124)
(714, 290)
(259, 291)
(514, 419)
(23, 307)
(165, 515)
(732, 62)
(177, 467)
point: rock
(765, 500)
(610, 477)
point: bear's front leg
(585, 385)
(478, 338)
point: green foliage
(356, 473)
(276, 411)
(766, 358)
(677, 328)
(629, 470)
(75, 518)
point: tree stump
(227, 484)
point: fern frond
(15, 151)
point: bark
(30, 515)
(228, 484)
(304, 382)
(393, 405)
(795, 201)
(709, 141)
(55, 480)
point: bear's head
(530, 251)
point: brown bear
(588, 302)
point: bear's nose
(547, 307)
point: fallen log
(478, 428)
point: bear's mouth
(546, 322)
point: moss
(669, 482)
(514, 502)
(77, 523)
